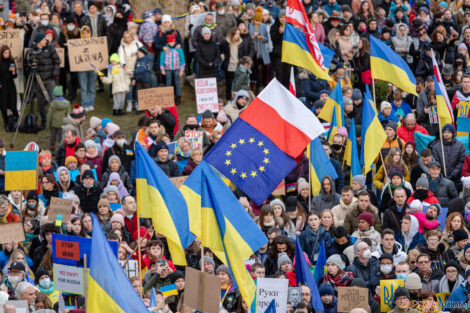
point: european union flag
(250, 160)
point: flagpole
(85, 280)
(309, 184)
(442, 147)
(386, 174)
(139, 251)
(373, 91)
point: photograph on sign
(11, 232)
(60, 206)
(294, 296)
(207, 97)
(86, 51)
(69, 279)
(269, 289)
(150, 98)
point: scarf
(342, 279)
(423, 167)
(51, 193)
(70, 149)
(393, 187)
(434, 185)
(270, 224)
(47, 291)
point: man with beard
(421, 167)
(341, 241)
(443, 188)
(165, 118)
(192, 124)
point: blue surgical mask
(403, 276)
(31, 205)
(70, 28)
(45, 283)
(44, 22)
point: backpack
(29, 124)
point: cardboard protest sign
(13, 39)
(202, 291)
(196, 137)
(10, 232)
(86, 51)
(62, 207)
(69, 279)
(352, 297)
(269, 289)
(150, 98)
(21, 306)
(69, 250)
(387, 290)
(206, 94)
(178, 181)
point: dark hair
(144, 121)
(347, 189)
(425, 293)
(364, 193)
(48, 228)
(272, 230)
(388, 231)
(155, 243)
(3, 49)
(113, 236)
(245, 60)
(423, 255)
(79, 146)
(281, 239)
(426, 152)
(255, 266)
(119, 133)
(72, 131)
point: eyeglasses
(451, 271)
(423, 262)
(433, 240)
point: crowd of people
(407, 219)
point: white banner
(69, 279)
(206, 94)
(269, 289)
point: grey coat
(454, 152)
(261, 46)
(446, 191)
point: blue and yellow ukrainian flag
(387, 65)
(372, 133)
(320, 165)
(223, 225)
(20, 170)
(159, 199)
(109, 289)
(351, 154)
(328, 56)
(320, 266)
(333, 108)
(296, 52)
(169, 290)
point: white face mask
(14, 280)
(366, 254)
(386, 268)
(221, 12)
(70, 28)
(121, 142)
(44, 22)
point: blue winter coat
(392, 117)
(415, 242)
(458, 297)
(404, 106)
(331, 308)
(310, 241)
(311, 88)
(142, 70)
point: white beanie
(416, 205)
(385, 105)
(166, 18)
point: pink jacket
(423, 222)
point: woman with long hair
(410, 155)
(64, 181)
(19, 255)
(454, 221)
(312, 237)
(266, 218)
(7, 88)
(104, 214)
(281, 218)
(327, 221)
(394, 157)
(49, 188)
(361, 61)
(75, 227)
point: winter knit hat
(161, 145)
(117, 218)
(40, 272)
(302, 184)
(413, 282)
(205, 30)
(385, 105)
(360, 179)
(208, 259)
(277, 202)
(176, 275)
(326, 289)
(401, 292)
(392, 125)
(222, 117)
(291, 204)
(367, 217)
(258, 16)
(78, 111)
(416, 205)
(166, 18)
(449, 127)
(170, 38)
(114, 58)
(452, 263)
(105, 121)
(95, 122)
(335, 259)
(89, 143)
(143, 50)
(112, 158)
(111, 188)
(39, 37)
(356, 95)
(281, 259)
(143, 233)
(437, 206)
(342, 131)
(70, 159)
(32, 195)
(423, 181)
(459, 234)
(148, 14)
(111, 128)
(58, 91)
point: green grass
(103, 108)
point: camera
(32, 58)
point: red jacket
(466, 166)
(409, 135)
(431, 199)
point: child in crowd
(58, 110)
(172, 65)
(120, 80)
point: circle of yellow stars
(253, 173)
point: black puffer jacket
(48, 61)
(169, 167)
(115, 32)
(100, 25)
(89, 197)
(208, 56)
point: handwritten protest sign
(206, 94)
(156, 97)
(196, 136)
(13, 39)
(60, 206)
(178, 181)
(269, 289)
(352, 297)
(69, 279)
(84, 51)
(11, 232)
(387, 290)
(202, 291)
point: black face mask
(336, 146)
(414, 296)
(421, 194)
(192, 127)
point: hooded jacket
(444, 284)
(232, 110)
(402, 42)
(341, 210)
(58, 110)
(365, 271)
(439, 257)
(323, 201)
(459, 296)
(414, 237)
(397, 252)
(370, 233)
(351, 220)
